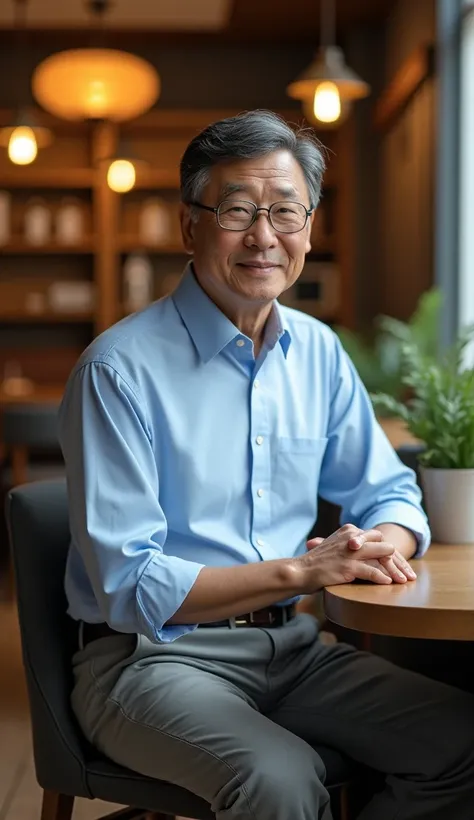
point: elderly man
(197, 435)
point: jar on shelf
(154, 222)
(138, 281)
(5, 217)
(69, 222)
(37, 222)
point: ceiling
(170, 15)
(232, 20)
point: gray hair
(247, 136)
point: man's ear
(187, 227)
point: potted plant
(440, 413)
(378, 359)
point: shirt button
(240, 343)
(260, 493)
(256, 383)
(259, 440)
(260, 542)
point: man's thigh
(390, 719)
(177, 722)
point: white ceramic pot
(449, 500)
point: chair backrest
(33, 425)
(38, 526)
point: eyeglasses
(239, 215)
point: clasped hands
(351, 553)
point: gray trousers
(232, 715)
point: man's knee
(278, 786)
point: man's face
(256, 265)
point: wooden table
(438, 605)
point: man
(197, 434)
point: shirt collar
(209, 328)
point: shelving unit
(74, 164)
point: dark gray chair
(29, 430)
(66, 765)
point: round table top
(439, 604)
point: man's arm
(361, 471)
(402, 539)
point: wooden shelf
(47, 316)
(19, 177)
(134, 243)
(19, 246)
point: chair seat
(116, 784)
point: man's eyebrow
(285, 191)
(233, 188)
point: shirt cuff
(163, 586)
(408, 517)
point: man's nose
(261, 233)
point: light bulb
(121, 176)
(96, 103)
(22, 146)
(327, 102)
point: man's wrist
(403, 539)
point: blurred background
(98, 101)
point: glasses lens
(288, 217)
(234, 215)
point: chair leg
(344, 803)
(56, 806)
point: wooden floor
(20, 795)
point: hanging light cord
(98, 10)
(328, 23)
(21, 34)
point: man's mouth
(258, 265)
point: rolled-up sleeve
(361, 472)
(116, 520)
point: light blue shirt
(183, 451)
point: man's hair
(247, 136)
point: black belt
(268, 618)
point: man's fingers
(314, 542)
(357, 541)
(396, 573)
(372, 550)
(368, 572)
(404, 566)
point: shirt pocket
(297, 468)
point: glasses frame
(215, 211)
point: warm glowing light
(121, 176)
(91, 83)
(96, 98)
(22, 145)
(327, 102)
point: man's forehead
(277, 171)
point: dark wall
(407, 170)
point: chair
(28, 429)
(66, 765)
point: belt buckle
(269, 621)
(240, 621)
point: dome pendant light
(96, 83)
(328, 86)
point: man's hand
(332, 561)
(395, 566)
